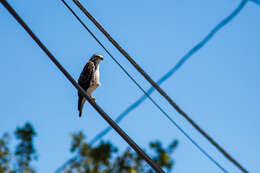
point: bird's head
(96, 58)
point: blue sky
(218, 86)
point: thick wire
(159, 89)
(166, 76)
(106, 50)
(76, 85)
(146, 94)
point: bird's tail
(81, 102)
(80, 112)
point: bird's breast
(97, 76)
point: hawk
(89, 79)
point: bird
(89, 79)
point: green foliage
(5, 155)
(163, 155)
(104, 158)
(24, 152)
(89, 159)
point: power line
(146, 94)
(161, 91)
(76, 85)
(166, 76)
(106, 50)
(256, 1)
(65, 164)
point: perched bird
(89, 79)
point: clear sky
(218, 86)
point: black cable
(113, 58)
(76, 85)
(147, 95)
(159, 89)
(166, 76)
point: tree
(104, 158)
(24, 152)
(5, 155)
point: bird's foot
(93, 99)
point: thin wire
(256, 1)
(147, 95)
(65, 164)
(166, 76)
(159, 89)
(76, 85)
(113, 58)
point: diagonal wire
(159, 89)
(62, 167)
(169, 74)
(256, 1)
(106, 50)
(177, 66)
(146, 94)
(105, 116)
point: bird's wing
(85, 79)
(87, 75)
